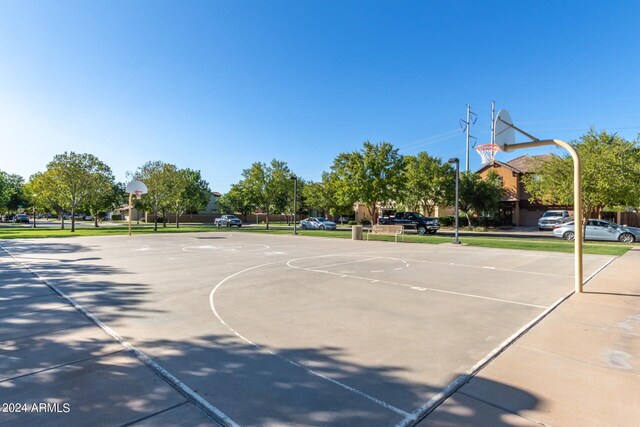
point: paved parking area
(274, 330)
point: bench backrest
(388, 229)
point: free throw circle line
(291, 362)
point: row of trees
(376, 175)
(75, 182)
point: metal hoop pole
(577, 197)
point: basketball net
(487, 153)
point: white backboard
(504, 134)
(136, 187)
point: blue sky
(218, 85)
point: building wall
(510, 181)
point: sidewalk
(580, 366)
(59, 368)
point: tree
(236, 200)
(279, 186)
(429, 183)
(190, 193)
(477, 195)
(105, 194)
(46, 193)
(78, 176)
(157, 176)
(373, 175)
(12, 196)
(267, 187)
(610, 174)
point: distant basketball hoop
(487, 152)
(137, 188)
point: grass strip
(522, 243)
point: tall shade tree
(12, 196)
(4, 192)
(374, 175)
(324, 196)
(78, 177)
(267, 186)
(236, 200)
(477, 195)
(318, 197)
(104, 194)
(44, 189)
(190, 193)
(429, 183)
(157, 176)
(610, 174)
(279, 186)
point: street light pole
(295, 199)
(457, 162)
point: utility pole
(493, 128)
(466, 125)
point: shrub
(352, 223)
(365, 222)
(116, 217)
(450, 221)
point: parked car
(317, 223)
(410, 220)
(227, 221)
(552, 218)
(22, 218)
(346, 219)
(599, 229)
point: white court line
(489, 268)
(213, 412)
(350, 262)
(423, 411)
(311, 371)
(387, 282)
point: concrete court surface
(293, 330)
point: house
(515, 207)
(212, 205)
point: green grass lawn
(532, 243)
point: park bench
(387, 230)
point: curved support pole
(577, 199)
(577, 210)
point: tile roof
(526, 163)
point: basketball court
(294, 330)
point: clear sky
(218, 85)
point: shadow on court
(51, 353)
(225, 371)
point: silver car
(599, 229)
(317, 223)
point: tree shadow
(84, 279)
(105, 385)
(51, 353)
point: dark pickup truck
(411, 220)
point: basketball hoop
(138, 188)
(487, 153)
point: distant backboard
(504, 134)
(136, 187)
